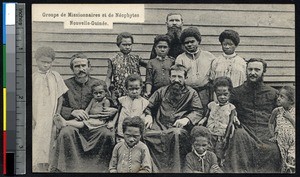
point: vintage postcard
(98, 69)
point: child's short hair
(133, 77)
(179, 67)
(290, 92)
(200, 131)
(135, 121)
(123, 35)
(78, 55)
(190, 32)
(230, 34)
(44, 52)
(223, 82)
(162, 37)
(99, 83)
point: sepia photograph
(163, 88)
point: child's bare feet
(59, 121)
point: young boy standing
(47, 90)
(131, 155)
(158, 68)
(198, 63)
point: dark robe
(81, 150)
(249, 149)
(168, 145)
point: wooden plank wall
(266, 31)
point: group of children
(124, 85)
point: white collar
(229, 56)
(199, 155)
(193, 53)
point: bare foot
(59, 121)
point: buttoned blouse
(198, 69)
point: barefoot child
(131, 105)
(94, 110)
(47, 90)
(131, 155)
(220, 117)
(282, 127)
(200, 160)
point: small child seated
(221, 116)
(200, 160)
(282, 127)
(158, 69)
(131, 105)
(131, 156)
(98, 103)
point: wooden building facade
(266, 31)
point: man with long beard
(174, 24)
(81, 150)
(179, 109)
(250, 150)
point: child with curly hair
(282, 127)
(220, 116)
(201, 160)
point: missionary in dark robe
(179, 109)
(81, 150)
(174, 24)
(250, 150)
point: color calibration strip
(14, 90)
(9, 144)
(4, 86)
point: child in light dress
(220, 117)
(201, 160)
(229, 63)
(47, 90)
(131, 155)
(94, 110)
(131, 105)
(282, 127)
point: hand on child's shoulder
(287, 115)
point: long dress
(169, 145)
(81, 150)
(46, 89)
(249, 150)
(285, 136)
